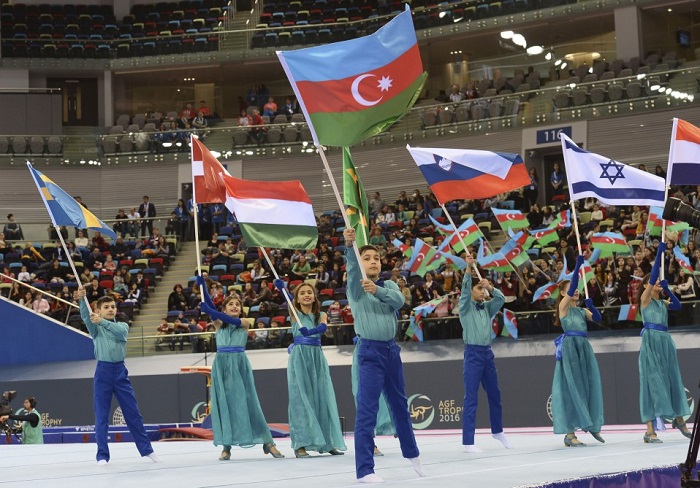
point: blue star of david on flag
(612, 178)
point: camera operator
(32, 432)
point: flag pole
(663, 224)
(286, 296)
(669, 176)
(70, 261)
(322, 153)
(195, 216)
(449, 217)
(574, 219)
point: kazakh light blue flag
(611, 182)
(63, 209)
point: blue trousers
(380, 369)
(113, 379)
(480, 367)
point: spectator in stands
(249, 295)
(471, 92)
(456, 95)
(147, 211)
(597, 213)
(377, 238)
(3, 243)
(94, 291)
(183, 216)
(40, 304)
(557, 180)
(300, 270)
(270, 108)
(257, 272)
(81, 241)
(402, 200)
(532, 190)
(177, 299)
(120, 227)
(132, 224)
(12, 230)
(24, 275)
(16, 293)
(165, 329)
(244, 119)
(206, 112)
(376, 204)
(186, 116)
(200, 124)
(257, 131)
(172, 226)
(289, 108)
(135, 293)
(99, 242)
(57, 273)
(27, 299)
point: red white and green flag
(272, 214)
(683, 261)
(655, 223)
(510, 219)
(494, 262)
(468, 231)
(629, 312)
(352, 90)
(610, 242)
(510, 324)
(562, 220)
(206, 175)
(545, 236)
(514, 250)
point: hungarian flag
(545, 236)
(510, 219)
(355, 198)
(468, 231)
(562, 220)
(469, 174)
(495, 262)
(610, 242)
(272, 214)
(655, 223)
(444, 229)
(421, 258)
(683, 261)
(550, 290)
(629, 312)
(510, 324)
(208, 184)
(352, 90)
(684, 155)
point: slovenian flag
(683, 261)
(611, 182)
(629, 312)
(352, 90)
(684, 155)
(469, 174)
(510, 219)
(272, 214)
(545, 236)
(468, 231)
(207, 181)
(510, 324)
(64, 209)
(610, 242)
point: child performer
(111, 376)
(237, 418)
(314, 424)
(577, 393)
(378, 359)
(475, 316)
(661, 390)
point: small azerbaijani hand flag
(208, 185)
(275, 214)
(63, 209)
(455, 262)
(421, 258)
(683, 261)
(352, 90)
(510, 219)
(550, 290)
(468, 174)
(562, 220)
(513, 249)
(415, 326)
(610, 242)
(545, 236)
(611, 182)
(684, 155)
(656, 220)
(629, 312)
(468, 231)
(444, 229)
(510, 324)
(495, 261)
(405, 249)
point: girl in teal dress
(237, 418)
(314, 424)
(577, 392)
(661, 390)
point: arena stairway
(152, 312)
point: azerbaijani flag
(421, 257)
(455, 261)
(683, 261)
(510, 324)
(272, 214)
(63, 209)
(495, 261)
(562, 220)
(510, 219)
(404, 248)
(610, 242)
(355, 198)
(545, 236)
(550, 290)
(629, 312)
(444, 229)
(208, 186)
(684, 155)
(513, 249)
(655, 222)
(352, 90)
(468, 231)
(469, 174)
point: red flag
(209, 187)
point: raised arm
(206, 298)
(354, 288)
(465, 299)
(675, 303)
(390, 294)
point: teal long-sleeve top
(476, 322)
(109, 337)
(375, 315)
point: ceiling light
(519, 40)
(563, 65)
(548, 56)
(655, 87)
(216, 154)
(535, 50)
(641, 76)
(507, 34)
(557, 62)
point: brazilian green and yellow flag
(355, 199)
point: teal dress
(385, 422)
(237, 418)
(577, 392)
(313, 412)
(661, 390)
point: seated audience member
(12, 230)
(270, 108)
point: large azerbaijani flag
(272, 214)
(352, 90)
(64, 209)
(684, 155)
(208, 185)
(469, 174)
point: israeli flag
(611, 182)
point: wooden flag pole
(292, 309)
(70, 261)
(663, 232)
(322, 153)
(449, 217)
(574, 219)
